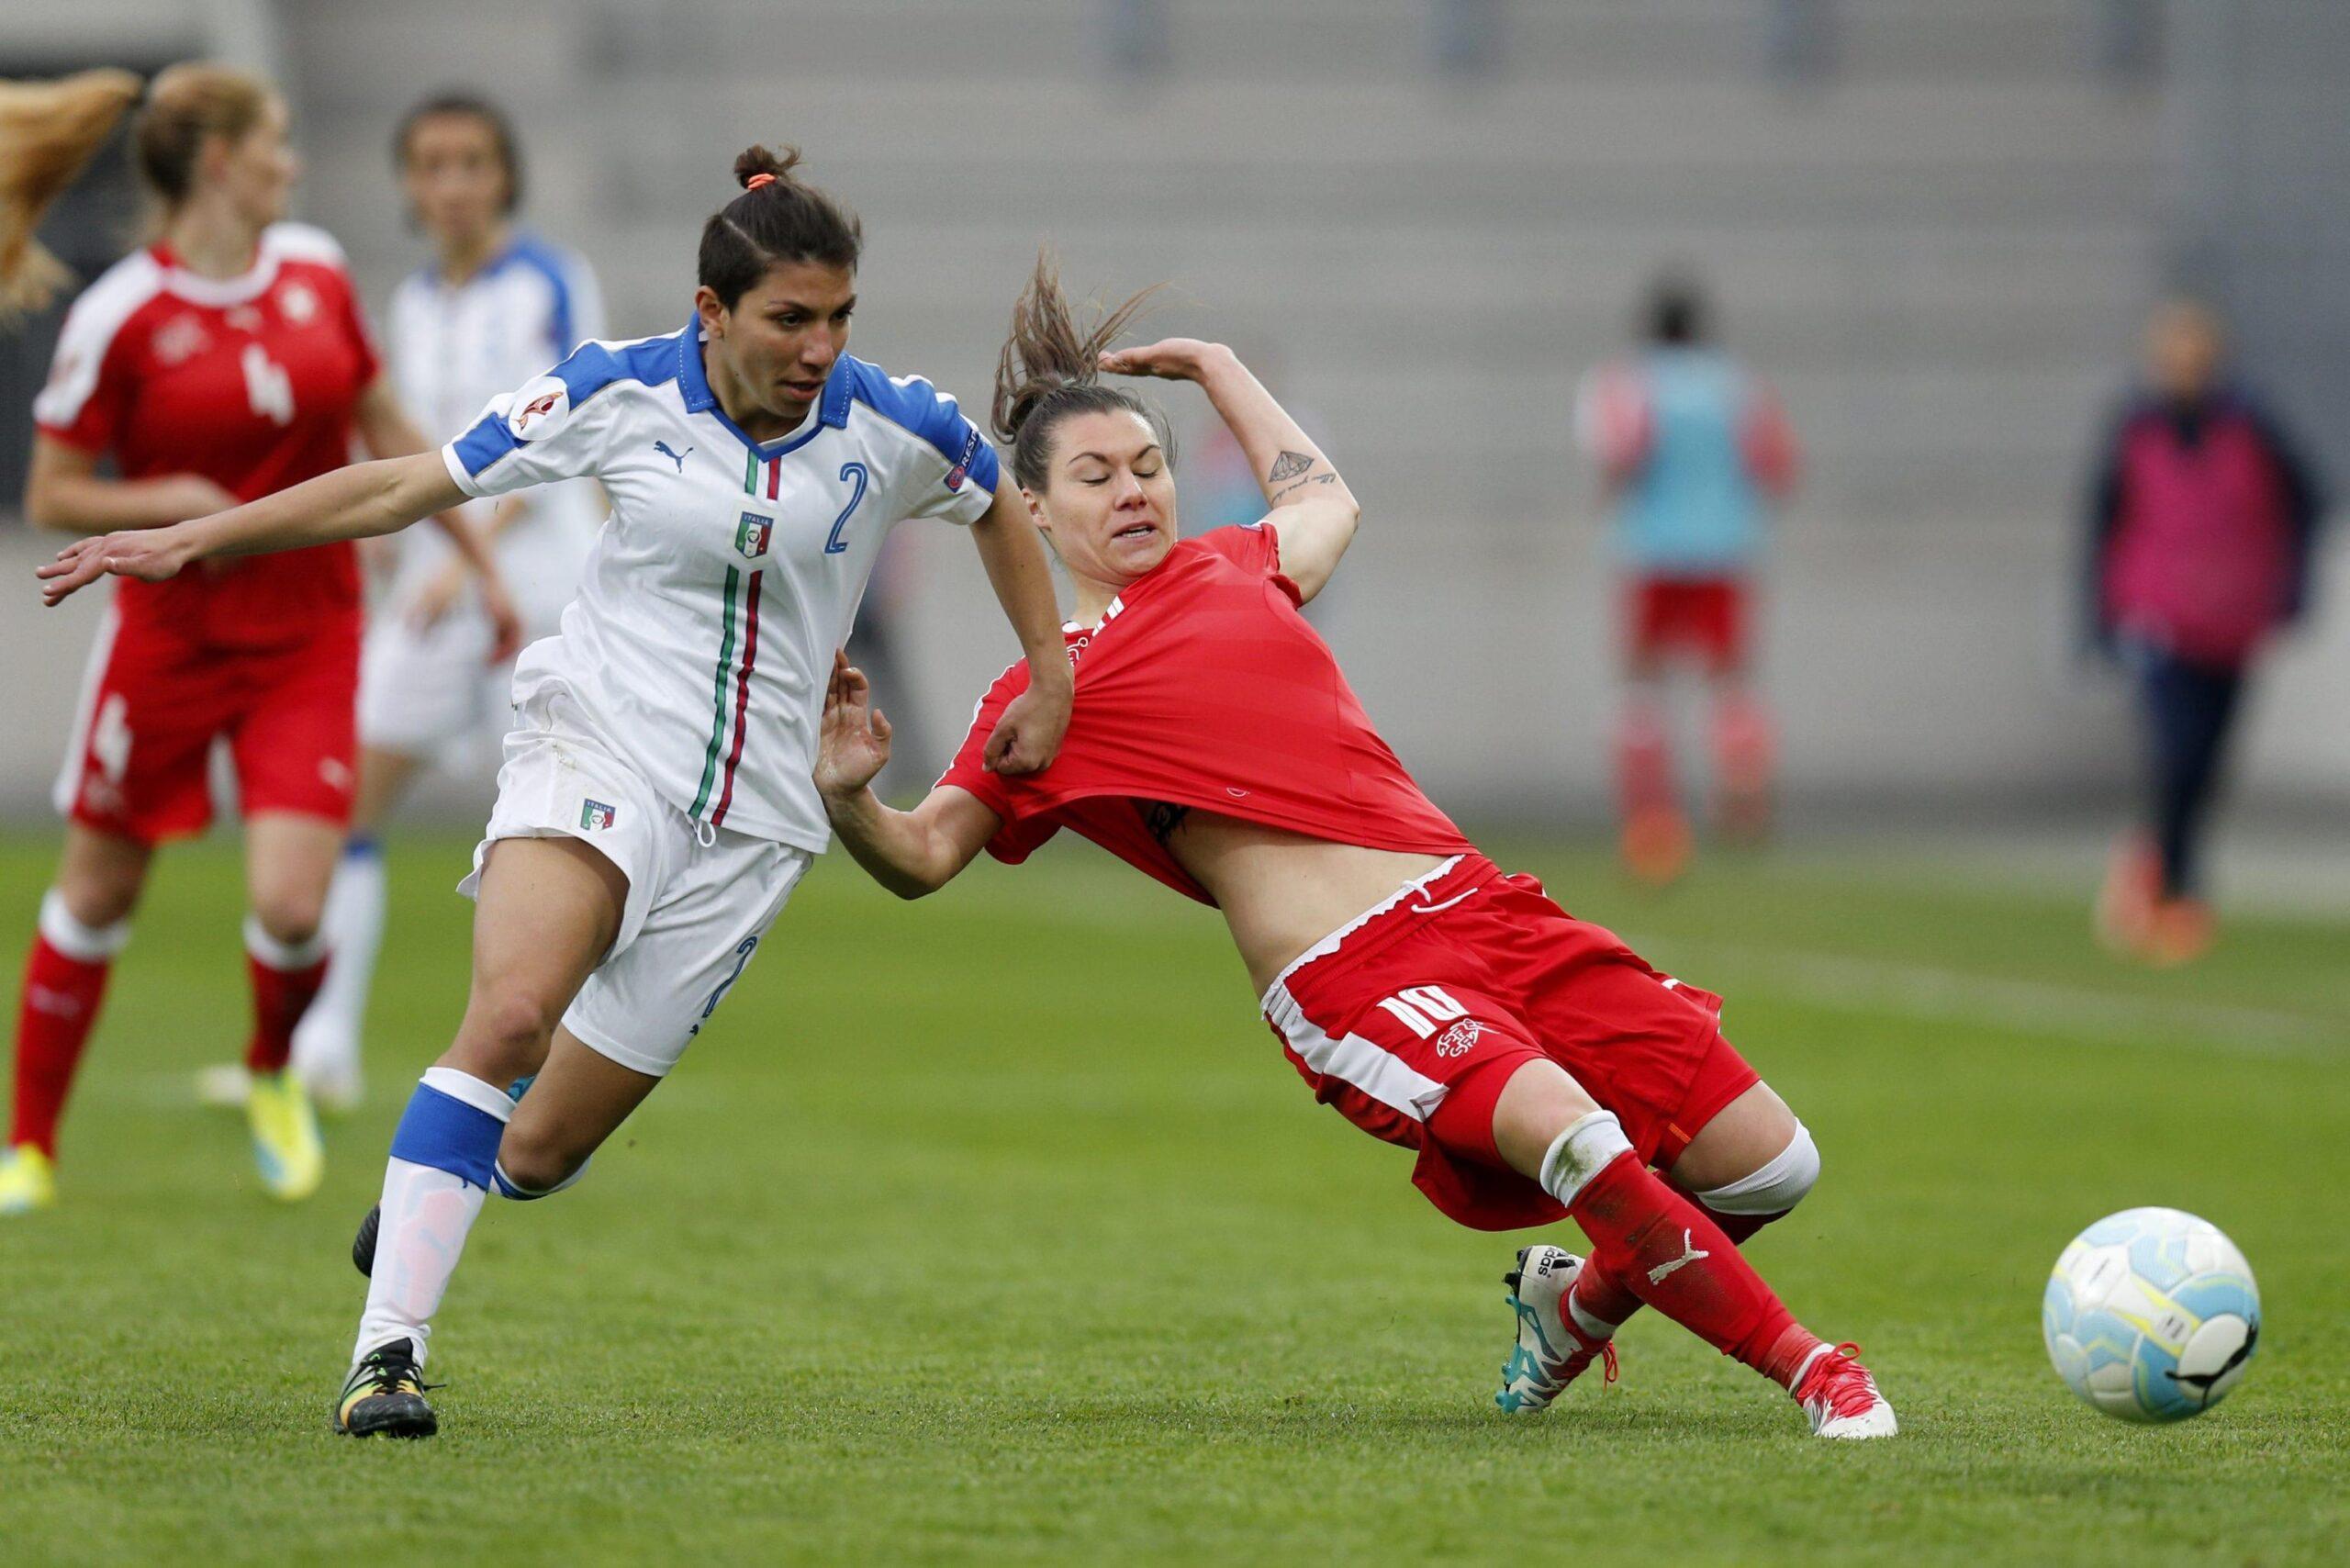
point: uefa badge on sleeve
(751, 535)
(595, 816)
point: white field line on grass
(1850, 984)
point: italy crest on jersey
(596, 815)
(751, 535)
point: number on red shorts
(1420, 1008)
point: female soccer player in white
(656, 805)
(1537, 1066)
(495, 306)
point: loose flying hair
(777, 220)
(476, 106)
(48, 132)
(1049, 370)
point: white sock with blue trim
(326, 1042)
(444, 1155)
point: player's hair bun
(760, 159)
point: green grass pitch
(995, 1228)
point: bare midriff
(1281, 891)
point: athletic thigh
(296, 741)
(547, 909)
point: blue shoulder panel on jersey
(529, 251)
(919, 408)
(587, 370)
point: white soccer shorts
(699, 900)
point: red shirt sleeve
(1016, 839)
(89, 393)
(1256, 546)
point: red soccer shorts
(1704, 616)
(1409, 1022)
(151, 708)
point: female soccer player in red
(1537, 1066)
(224, 361)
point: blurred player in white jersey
(495, 306)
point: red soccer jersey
(248, 381)
(1204, 688)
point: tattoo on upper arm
(1288, 465)
(1287, 491)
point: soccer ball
(2150, 1315)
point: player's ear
(712, 313)
(1035, 508)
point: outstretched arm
(1030, 731)
(909, 853)
(1312, 508)
(386, 431)
(357, 502)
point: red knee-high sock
(58, 1004)
(1644, 760)
(1676, 1259)
(285, 982)
(1602, 1300)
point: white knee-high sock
(443, 1155)
(325, 1042)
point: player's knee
(511, 1028)
(1775, 1186)
(289, 918)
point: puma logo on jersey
(1689, 1255)
(677, 457)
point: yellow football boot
(385, 1396)
(287, 1149)
(28, 1180)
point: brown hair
(776, 219)
(186, 104)
(1049, 370)
(49, 131)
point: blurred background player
(1691, 452)
(2201, 523)
(495, 306)
(225, 360)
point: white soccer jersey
(702, 638)
(455, 346)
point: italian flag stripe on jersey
(731, 709)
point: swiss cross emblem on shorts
(751, 535)
(595, 815)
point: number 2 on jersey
(835, 545)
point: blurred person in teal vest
(1694, 453)
(2200, 520)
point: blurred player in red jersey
(1537, 1066)
(1693, 450)
(224, 361)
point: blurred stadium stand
(1934, 224)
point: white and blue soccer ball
(2150, 1315)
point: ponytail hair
(777, 220)
(1050, 370)
(48, 132)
